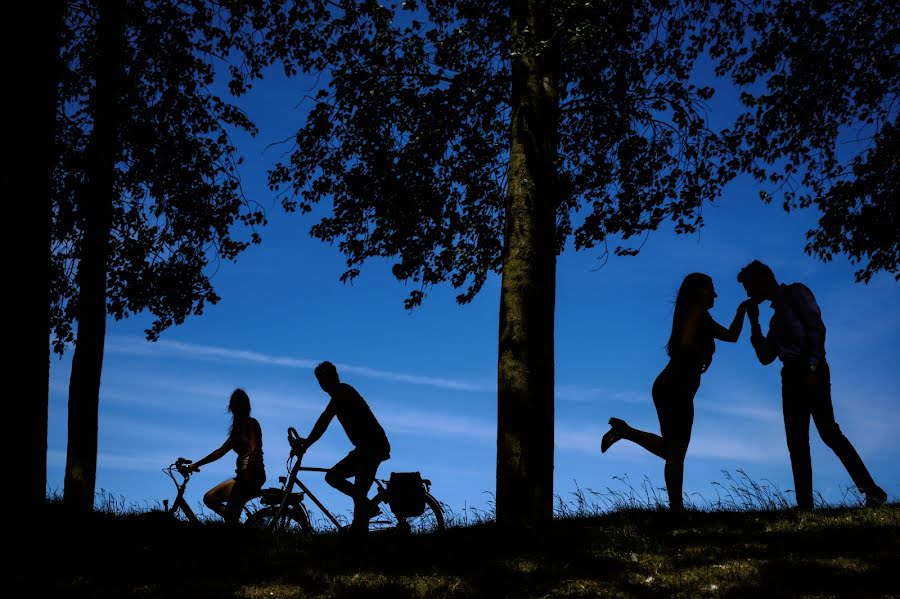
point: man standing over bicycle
(371, 445)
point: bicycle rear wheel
(431, 520)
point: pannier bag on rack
(407, 494)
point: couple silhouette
(796, 336)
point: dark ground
(846, 552)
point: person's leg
(246, 486)
(677, 438)
(795, 407)
(823, 415)
(365, 476)
(651, 442)
(216, 497)
(676, 419)
(340, 472)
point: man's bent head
(758, 280)
(327, 375)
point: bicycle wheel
(262, 501)
(253, 505)
(429, 521)
(294, 519)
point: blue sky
(429, 375)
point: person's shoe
(875, 497)
(613, 434)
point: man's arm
(321, 424)
(764, 347)
(810, 316)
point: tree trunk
(27, 183)
(525, 412)
(96, 204)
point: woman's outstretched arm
(733, 332)
(215, 455)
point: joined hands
(752, 309)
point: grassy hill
(848, 552)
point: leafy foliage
(409, 137)
(820, 83)
(179, 196)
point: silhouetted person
(797, 336)
(245, 438)
(371, 445)
(690, 349)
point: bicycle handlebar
(297, 443)
(182, 465)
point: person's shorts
(248, 483)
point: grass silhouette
(612, 542)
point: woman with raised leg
(690, 348)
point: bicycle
(182, 467)
(283, 509)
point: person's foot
(875, 497)
(613, 434)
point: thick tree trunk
(36, 31)
(96, 204)
(525, 411)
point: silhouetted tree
(95, 203)
(820, 83)
(32, 40)
(467, 137)
(147, 191)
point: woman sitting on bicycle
(245, 438)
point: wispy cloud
(168, 348)
(414, 379)
(746, 402)
(135, 346)
(582, 441)
(588, 394)
(193, 351)
(759, 413)
(171, 434)
(430, 423)
(734, 447)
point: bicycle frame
(293, 479)
(180, 502)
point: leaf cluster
(408, 138)
(820, 121)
